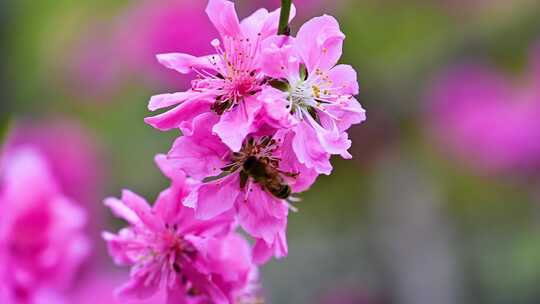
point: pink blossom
(319, 92)
(478, 115)
(42, 243)
(256, 194)
(228, 81)
(170, 250)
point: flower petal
(230, 257)
(262, 215)
(185, 111)
(305, 177)
(216, 197)
(264, 23)
(166, 100)
(223, 15)
(234, 125)
(344, 115)
(263, 252)
(121, 210)
(201, 154)
(140, 207)
(184, 63)
(344, 77)
(308, 149)
(320, 43)
(279, 59)
(332, 140)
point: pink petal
(332, 140)
(140, 207)
(309, 151)
(223, 15)
(262, 215)
(234, 125)
(264, 22)
(217, 226)
(276, 110)
(116, 246)
(184, 63)
(230, 257)
(279, 59)
(217, 197)
(252, 25)
(343, 115)
(289, 163)
(263, 251)
(201, 154)
(344, 77)
(186, 111)
(166, 100)
(120, 209)
(320, 42)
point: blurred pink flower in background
(42, 243)
(71, 151)
(93, 69)
(486, 120)
(152, 27)
(75, 161)
(146, 28)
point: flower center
(303, 95)
(235, 73)
(174, 243)
(262, 148)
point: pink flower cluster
(264, 114)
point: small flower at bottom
(170, 251)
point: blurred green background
(400, 223)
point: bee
(264, 173)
